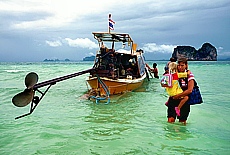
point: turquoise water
(135, 123)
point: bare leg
(182, 102)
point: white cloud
(61, 13)
(58, 13)
(81, 42)
(220, 48)
(153, 47)
(91, 53)
(54, 43)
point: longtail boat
(118, 67)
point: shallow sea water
(135, 123)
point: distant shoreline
(193, 60)
(91, 61)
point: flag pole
(108, 22)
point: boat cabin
(117, 64)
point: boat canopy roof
(112, 37)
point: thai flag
(111, 23)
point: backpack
(166, 80)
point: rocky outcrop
(206, 53)
(90, 58)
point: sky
(34, 30)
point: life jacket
(183, 81)
(167, 79)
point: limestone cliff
(206, 53)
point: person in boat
(175, 88)
(166, 68)
(153, 70)
(132, 67)
(187, 85)
(103, 48)
(122, 71)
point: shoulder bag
(195, 97)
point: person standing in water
(153, 70)
(187, 85)
(174, 87)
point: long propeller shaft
(55, 80)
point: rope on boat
(106, 90)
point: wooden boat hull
(115, 87)
(116, 71)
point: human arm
(147, 66)
(187, 91)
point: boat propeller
(28, 95)
(24, 98)
(31, 79)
